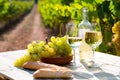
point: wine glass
(93, 37)
(73, 39)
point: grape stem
(46, 40)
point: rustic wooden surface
(108, 70)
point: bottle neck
(85, 17)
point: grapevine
(116, 36)
(12, 9)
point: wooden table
(109, 70)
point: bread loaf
(45, 70)
(53, 73)
(35, 65)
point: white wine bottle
(85, 50)
(85, 25)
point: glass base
(90, 64)
(94, 65)
(73, 65)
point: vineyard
(18, 31)
(56, 14)
(12, 10)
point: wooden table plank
(7, 68)
(109, 70)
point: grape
(35, 49)
(52, 39)
(46, 47)
(27, 57)
(43, 54)
(59, 43)
(39, 49)
(30, 48)
(35, 57)
(50, 44)
(19, 62)
(51, 51)
(41, 43)
(34, 43)
(64, 39)
(47, 54)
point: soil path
(29, 29)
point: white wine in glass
(94, 39)
(73, 39)
(74, 43)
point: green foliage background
(106, 13)
(10, 9)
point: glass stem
(74, 55)
(93, 54)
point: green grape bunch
(57, 47)
(20, 61)
(116, 37)
(34, 50)
(61, 47)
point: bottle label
(81, 32)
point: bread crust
(52, 73)
(35, 65)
